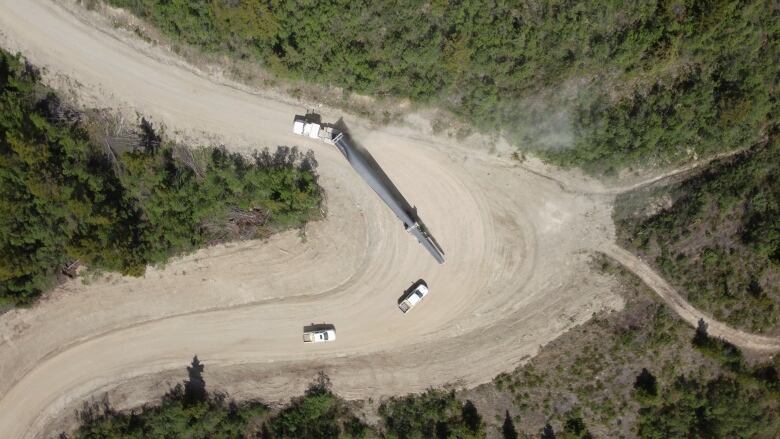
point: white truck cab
(298, 125)
(319, 336)
(413, 298)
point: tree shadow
(508, 429)
(195, 385)
(471, 417)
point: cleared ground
(516, 243)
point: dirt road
(684, 309)
(516, 244)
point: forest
(718, 239)
(67, 199)
(604, 85)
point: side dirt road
(517, 247)
(687, 312)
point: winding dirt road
(516, 243)
(684, 309)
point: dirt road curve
(516, 275)
(684, 309)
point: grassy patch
(588, 373)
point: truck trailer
(368, 169)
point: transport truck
(312, 130)
(413, 298)
(319, 336)
(370, 171)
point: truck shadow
(318, 327)
(410, 289)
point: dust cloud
(546, 120)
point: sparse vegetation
(589, 373)
(67, 198)
(637, 372)
(604, 85)
(189, 411)
(186, 412)
(719, 240)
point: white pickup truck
(413, 298)
(320, 336)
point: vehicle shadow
(318, 327)
(410, 289)
(310, 117)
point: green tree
(716, 241)
(646, 385)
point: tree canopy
(65, 198)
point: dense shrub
(66, 198)
(434, 413)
